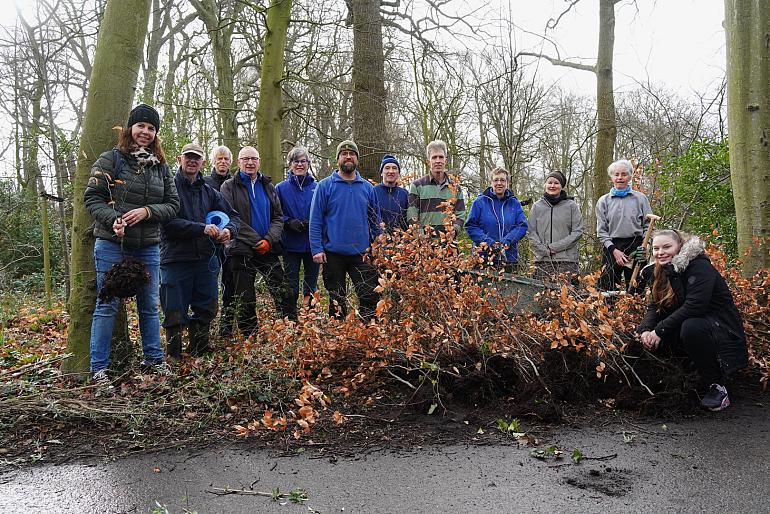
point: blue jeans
(189, 286)
(107, 253)
(291, 263)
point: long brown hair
(662, 292)
(125, 142)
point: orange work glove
(262, 247)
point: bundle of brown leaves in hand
(124, 280)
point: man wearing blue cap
(189, 256)
(393, 199)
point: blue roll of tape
(218, 218)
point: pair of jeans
(291, 264)
(106, 254)
(364, 277)
(239, 296)
(189, 286)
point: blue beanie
(389, 159)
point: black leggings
(696, 338)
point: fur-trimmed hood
(692, 248)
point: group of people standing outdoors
(143, 211)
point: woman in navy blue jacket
(497, 220)
(296, 195)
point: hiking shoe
(716, 398)
(159, 368)
(101, 379)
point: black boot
(199, 339)
(174, 342)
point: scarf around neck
(620, 192)
(553, 200)
(144, 157)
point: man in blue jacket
(496, 222)
(344, 220)
(393, 199)
(190, 252)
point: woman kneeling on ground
(692, 307)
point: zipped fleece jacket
(493, 220)
(701, 292)
(132, 187)
(296, 195)
(393, 204)
(344, 216)
(235, 192)
(182, 238)
(618, 216)
(555, 228)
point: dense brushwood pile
(443, 336)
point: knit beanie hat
(389, 159)
(347, 145)
(558, 175)
(145, 113)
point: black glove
(295, 225)
(305, 225)
(639, 255)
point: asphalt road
(705, 462)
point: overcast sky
(676, 43)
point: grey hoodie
(555, 227)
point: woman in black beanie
(555, 227)
(130, 193)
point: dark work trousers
(696, 338)
(189, 286)
(364, 277)
(612, 274)
(291, 264)
(239, 297)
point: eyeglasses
(303, 162)
(192, 157)
(247, 159)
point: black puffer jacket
(182, 238)
(235, 192)
(701, 292)
(130, 188)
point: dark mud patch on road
(607, 480)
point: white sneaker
(101, 379)
(161, 368)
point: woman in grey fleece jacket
(555, 227)
(621, 219)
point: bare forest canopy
(451, 70)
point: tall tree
(110, 94)
(270, 111)
(747, 24)
(369, 98)
(606, 127)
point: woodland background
(393, 75)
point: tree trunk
(369, 96)
(747, 25)
(110, 95)
(220, 29)
(270, 110)
(605, 106)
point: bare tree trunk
(747, 25)
(369, 96)
(220, 29)
(270, 111)
(110, 95)
(605, 104)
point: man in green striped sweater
(429, 195)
